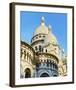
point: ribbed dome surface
(42, 29)
(50, 38)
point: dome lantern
(42, 20)
(49, 28)
(42, 28)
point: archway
(55, 75)
(44, 75)
(27, 73)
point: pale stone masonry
(43, 57)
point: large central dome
(42, 29)
(45, 31)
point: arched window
(46, 50)
(50, 63)
(27, 73)
(43, 36)
(47, 63)
(21, 53)
(40, 36)
(40, 49)
(56, 67)
(24, 54)
(36, 48)
(53, 65)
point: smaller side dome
(50, 38)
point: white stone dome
(50, 38)
(42, 29)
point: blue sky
(29, 21)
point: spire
(42, 20)
(49, 28)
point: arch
(36, 48)
(27, 73)
(42, 71)
(55, 75)
(44, 75)
(40, 48)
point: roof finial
(49, 28)
(42, 20)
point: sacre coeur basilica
(43, 57)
